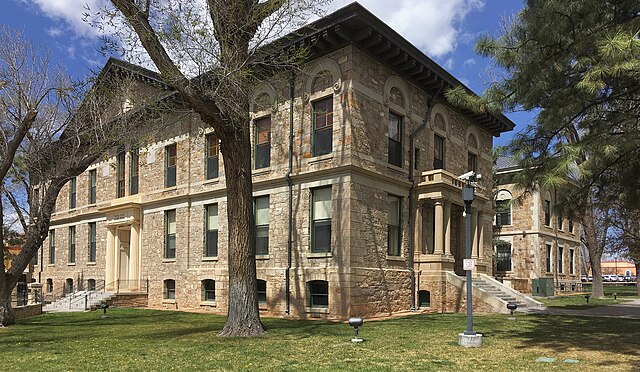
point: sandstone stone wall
(27, 311)
(363, 279)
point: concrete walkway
(630, 310)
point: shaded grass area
(579, 302)
(153, 340)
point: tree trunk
(7, 314)
(243, 317)
(595, 252)
(637, 263)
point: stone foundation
(28, 311)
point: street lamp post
(469, 338)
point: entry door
(458, 239)
(124, 259)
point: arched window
(169, 289)
(208, 290)
(262, 292)
(424, 298)
(318, 293)
(49, 285)
(91, 285)
(68, 287)
(503, 208)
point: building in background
(533, 239)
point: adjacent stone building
(533, 238)
(358, 205)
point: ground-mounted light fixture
(356, 323)
(512, 306)
(104, 308)
(615, 295)
(587, 297)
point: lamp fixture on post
(469, 338)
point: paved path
(629, 310)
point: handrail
(85, 290)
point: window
(120, 174)
(322, 118)
(548, 246)
(560, 263)
(212, 150)
(72, 193)
(68, 286)
(49, 285)
(559, 220)
(134, 171)
(395, 139)
(571, 261)
(263, 143)
(503, 212)
(72, 244)
(52, 247)
(472, 162)
(169, 289)
(570, 218)
(416, 158)
(318, 293)
(211, 228)
(503, 256)
(93, 177)
(92, 242)
(424, 298)
(547, 213)
(262, 292)
(438, 152)
(171, 158)
(321, 220)
(170, 234)
(394, 225)
(261, 205)
(208, 290)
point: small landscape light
(615, 295)
(512, 306)
(355, 323)
(104, 308)
(587, 297)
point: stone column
(447, 228)
(116, 271)
(109, 260)
(134, 255)
(475, 233)
(438, 237)
(417, 230)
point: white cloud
(468, 63)
(71, 13)
(55, 31)
(448, 64)
(431, 25)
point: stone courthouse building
(533, 239)
(358, 206)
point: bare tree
(218, 41)
(50, 132)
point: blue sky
(444, 30)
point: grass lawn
(577, 301)
(155, 340)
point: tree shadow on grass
(568, 333)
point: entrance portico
(122, 268)
(440, 239)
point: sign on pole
(468, 264)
